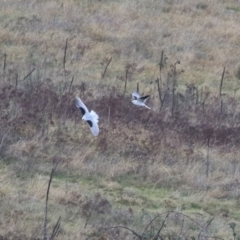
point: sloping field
(171, 172)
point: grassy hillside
(172, 170)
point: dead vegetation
(168, 173)
(41, 125)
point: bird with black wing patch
(139, 101)
(90, 117)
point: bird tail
(147, 106)
(93, 113)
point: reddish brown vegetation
(191, 122)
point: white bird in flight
(139, 101)
(90, 117)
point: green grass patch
(75, 178)
(7, 161)
(196, 206)
(233, 8)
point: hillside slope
(173, 169)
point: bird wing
(94, 128)
(144, 98)
(92, 120)
(135, 95)
(81, 105)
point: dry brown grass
(142, 159)
(204, 39)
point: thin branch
(160, 229)
(126, 78)
(159, 91)
(206, 97)
(109, 112)
(173, 99)
(207, 162)
(214, 237)
(221, 106)
(65, 53)
(174, 84)
(5, 62)
(16, 83)
(55, 229)
(220, 90)
(161, 99)
(89, 215)
(158, 82)
(71, 85)
(151, 222)
(29, 74)
(133, 232)
(161, 64)
(197, 95)
(158, 215)
(46, 206)
(105, 70)
(221, 83)
(182, 226)
(188, 218)
(3, 139)
(209, 222)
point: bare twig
(137, 87)
(28, 74)
(158, 235)
(151, 222)
(174, 84)
(105, 70)
(197, 95)
(2, 141)
(206, 237)
(129, 69)
(206, 97)
(188, 218)
(133, 232)
(221, 106)
(109, 111)
(159, 92)
(201, 93)
(83, 88)
(71, 85)
(181, 232)
(220, 90)
(158, 215)
(5, 62)
(161, 64)
(65, 53)
(55, 229)
(161, 99)
(209, 222)
(160, 229)
(207, 161)
(16, 83)
(221, 83)
(46, 206)
(89, 215)
(126, 78)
